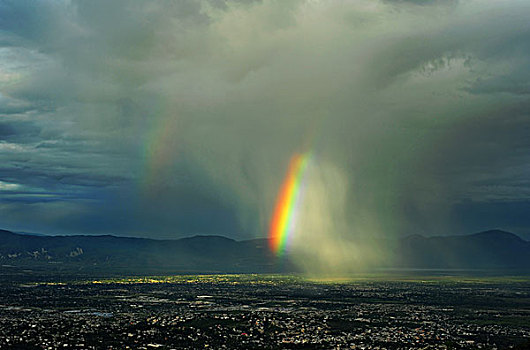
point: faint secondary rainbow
(159, 148)
(285, 213)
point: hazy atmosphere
(171, 119)
(265, 174)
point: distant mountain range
(493, 249)
(134, 255)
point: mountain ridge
(491, 249)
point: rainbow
(283, 219)
(158, 148)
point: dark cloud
(22, 131)
(165, 119)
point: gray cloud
(166, 119)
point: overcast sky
(173, 118)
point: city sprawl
(253, 311)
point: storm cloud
(167, 119)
